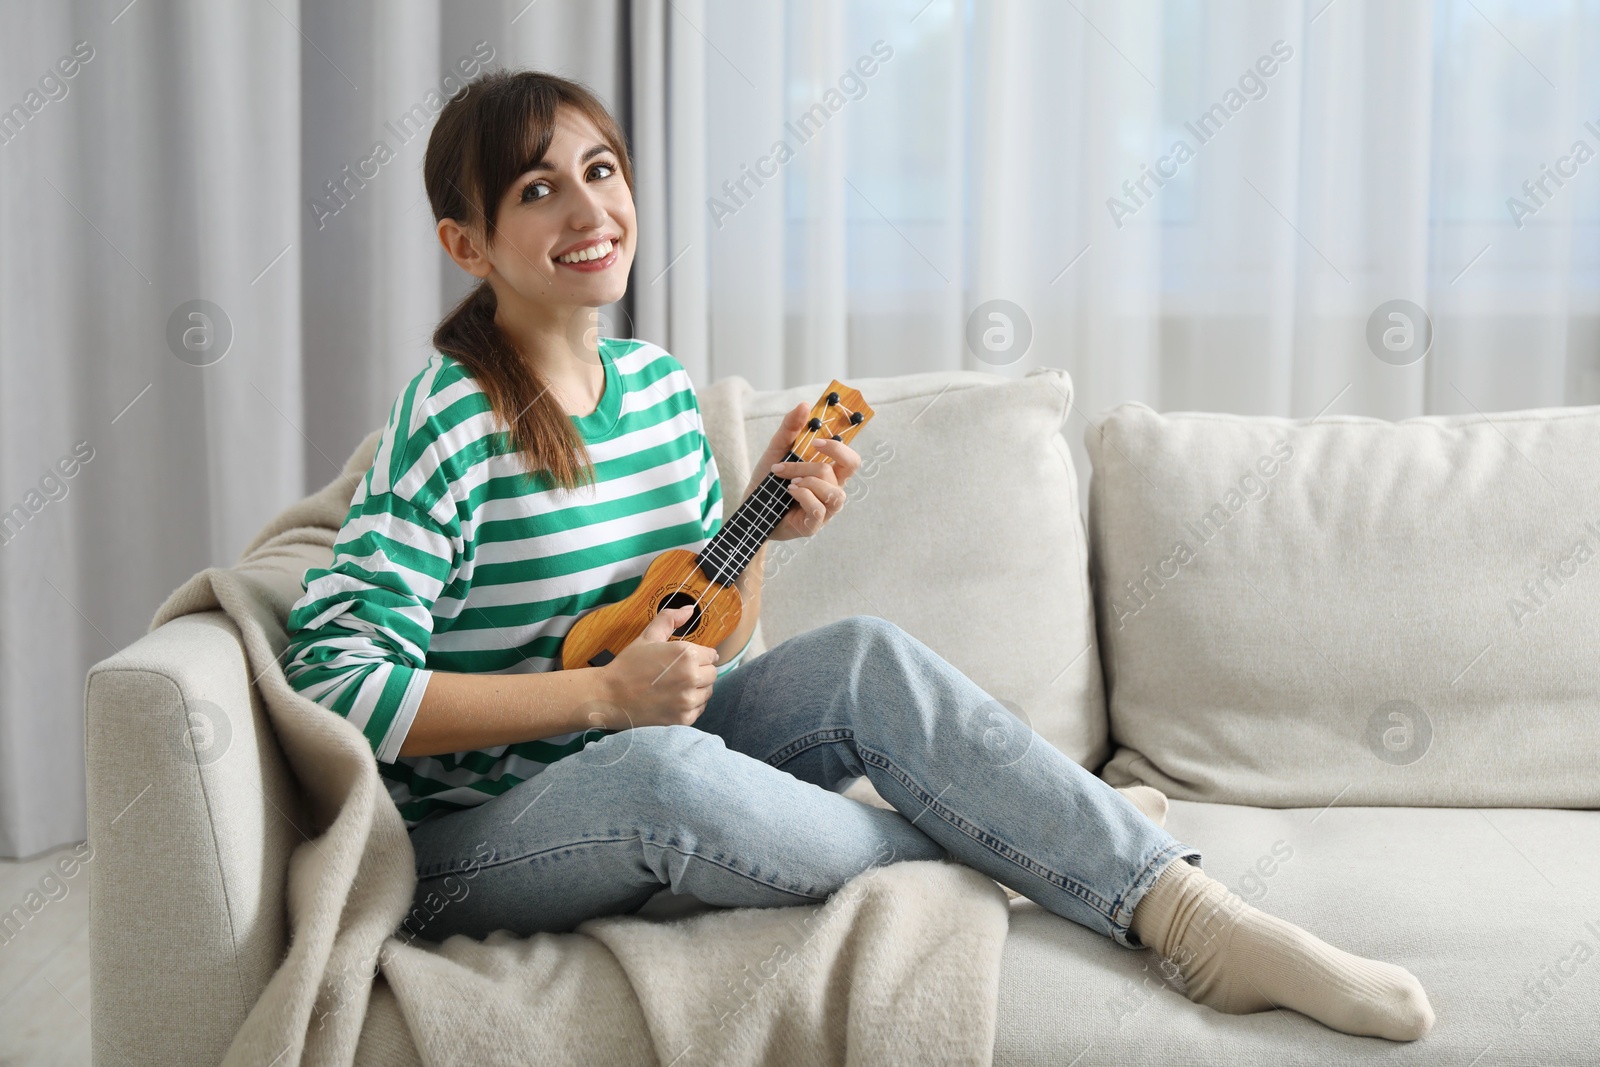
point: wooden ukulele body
(672, 580)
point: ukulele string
(780, 504)
(786, 500)
(759, 508)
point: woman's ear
(463, 247)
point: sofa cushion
(962, 526)
(1408, 612)
(1493, 911)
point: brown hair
(484, 138)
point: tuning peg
(833, 398)
(814, 424)
(855, 418)
(836, 437)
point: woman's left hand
(816, 486)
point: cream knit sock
(1148, 799)
(1237, 959)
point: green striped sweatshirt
(450, 559)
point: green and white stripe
(451, 559)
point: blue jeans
(743, 808)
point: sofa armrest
(192, 814)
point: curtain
(1338, 157)
(212, 283)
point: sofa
(1362, 658)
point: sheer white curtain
(1340, 155)
(149, 158)
(937, 155)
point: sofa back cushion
(1346, 610)
(962, 527)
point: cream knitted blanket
(900, 966)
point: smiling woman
(524, 170)
(527, 474)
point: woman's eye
(528, 190)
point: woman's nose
(589, 210)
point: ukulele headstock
(839, 413)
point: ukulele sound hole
(678, 600)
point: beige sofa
(1357, 728)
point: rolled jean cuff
(1122, 915)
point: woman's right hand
(659, 682)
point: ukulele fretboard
(838, 415)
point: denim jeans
(743, 808)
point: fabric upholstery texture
(1494, 911)
(1401, 613)
(187, 889)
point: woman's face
(571, 201)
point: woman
(529, 473)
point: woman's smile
(594, 256)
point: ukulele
(706, 579)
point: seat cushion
(1388, 612)
(1495, 912)
(962, 527)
